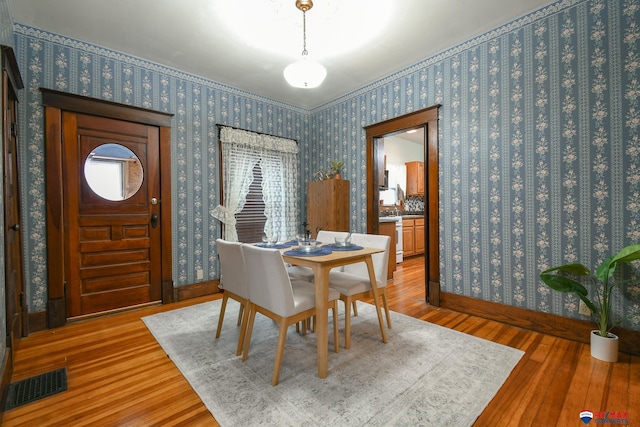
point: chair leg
(336, 338)
(240, 315)
(386, 308)
(247, 338)
(347, 323)
(355, 308)
(243, 328)
(282, 338)
(223, 307)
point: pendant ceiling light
(305, 73)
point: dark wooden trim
(550, 324)
(195, 290)
(38, 321)
(10, 64)
(432, 207)
(6, 370)
(55, 214)
(428, 119)
(98, 107)
(165, 214)
(56, 311)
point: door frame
(426, 118)
(55, 104)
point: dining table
(321, 266)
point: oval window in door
(113, 172)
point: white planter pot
(604, 348)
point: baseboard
(196, 290)
(550, 324)
(38, 320)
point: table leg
(374, 290)
(321, 279)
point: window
(259, 186)
(251, 220)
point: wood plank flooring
(119, 376)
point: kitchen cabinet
(408, 238)
(418, 227)
(328, 206)
(389, 229)
(415, 178)
(413, 236)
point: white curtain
(278, 158)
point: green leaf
(575, 269)
(628, 254)
(563, 284)
(608, 267)
(592, 306)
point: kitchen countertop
(394, 218)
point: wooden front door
(114, 242)
(108, 206)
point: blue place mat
(346, 248)
(276, 246)
(324, 250)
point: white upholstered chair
(352, 281)
(273, 294)
(234, 285)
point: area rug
(425, 375)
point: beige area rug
(425, 375)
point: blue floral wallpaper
(539, 145)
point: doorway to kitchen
(427, 120)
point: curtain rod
(220, 126)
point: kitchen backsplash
(414, 203)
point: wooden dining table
(321, 266)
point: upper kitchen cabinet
(415, 178)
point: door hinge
(14, 132)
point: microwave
(385, 185)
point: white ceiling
(247, 43)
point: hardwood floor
(119, 376)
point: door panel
(14, 284)
(114, 252)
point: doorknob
(154, 201)
(154, 220)
(15, 227)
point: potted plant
(321, 175)
(336, 168)
(604, 284)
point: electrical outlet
(199, 274)
(583, 309)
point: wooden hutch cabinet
(328, 206)
(415, 178)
